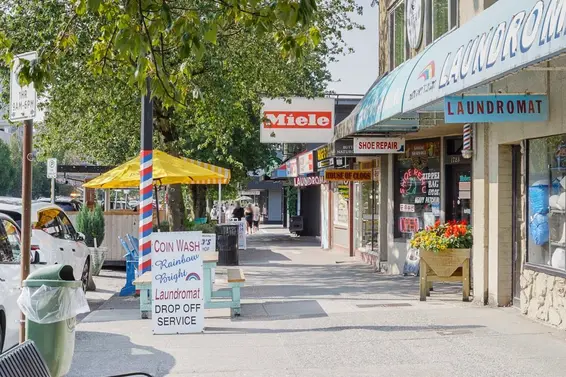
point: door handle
(61, 249)
(74, 250)
(2, 280)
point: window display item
(539, 228)
(553, 202)
(538, 197)
(559, 258)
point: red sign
(298, 119)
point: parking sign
(23, 99)
(51, 168)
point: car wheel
(85, 276)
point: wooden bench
(236, 279)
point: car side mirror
(35, 257)
(80, 236)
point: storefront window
(341, 197)
(546, 202)
(417, 188)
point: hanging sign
(348, 175)
(382, 145)
(242, 242)
(306, 163)
(496, 108)
(344, 147)
(292, 168)
(177, 285)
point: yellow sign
(348, 175)
(323, 153)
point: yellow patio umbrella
(167, 170)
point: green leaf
(315, 35)
(211, 34)
(166, 15)
(93, 5)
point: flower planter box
(451, 265)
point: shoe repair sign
(177, 283)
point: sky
(354, 73)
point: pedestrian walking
(249, 215)
(257, 214)
(238, 212)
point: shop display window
(341, 197)
(417, 187)
(546, 201)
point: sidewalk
(309, 312)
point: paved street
(309, 312)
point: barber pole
(146, 210)
(467, 137)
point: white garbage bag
(52, 304)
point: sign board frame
(177, 283)
(23, 100)
(51, 168)
(379, 145)
(348, 175)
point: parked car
(68, 204)
(10, 254)
(55, 236)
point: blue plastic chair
(134, 242)
(132, 260)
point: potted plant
(444, 251)
(91, 224)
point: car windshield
(67, 207)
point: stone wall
(543, 297)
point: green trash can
(51, 298)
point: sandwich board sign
(177, 283)
(23, 99)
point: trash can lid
(57, 275)
(52, 283)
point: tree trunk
(176, 208)
(198, 199)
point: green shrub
(91, 224)
(205, 228)
(163, 226)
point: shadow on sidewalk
(441, 328)
(99, 354)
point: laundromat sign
(509, 35)
(496, 108)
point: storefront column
(500, 229)
(383, 207)
(480, 208)
(389, 204)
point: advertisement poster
(178, 291)
(208, 242)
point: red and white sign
(309, 181)
(306, 164)
(381, 145)
(301, 120)
(291, 167)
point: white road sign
(51, 168)
(23, 100)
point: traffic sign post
(52, 174)
(23, 99)
(23, 107)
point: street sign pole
(27, 157)
(52, 190)
(52, 174)
(23, 107)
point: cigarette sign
(177, 283)
(348, 175)
(373, 145)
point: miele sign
(299, 120)
(382, 145)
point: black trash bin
(227, 244)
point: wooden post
(466, 280)
(423, 268)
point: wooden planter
(447, 265)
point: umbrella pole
(157, 209)
(219, 220)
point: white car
(10, 252)
(54, 237)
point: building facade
(484, 78)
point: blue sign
(496, 108)
(504, 38)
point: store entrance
(458, 205)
